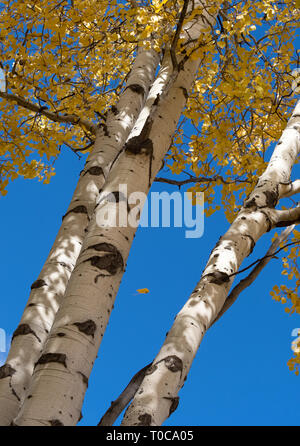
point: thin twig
(177, 34)
(193, 179)
(72, 119)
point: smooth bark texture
(61, 374)
(155, 399)
(49, 288)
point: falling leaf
(143, 291)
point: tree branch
(286, 217)
(71, 119)
(124, 399)
(177, 34)
(292, 188)
(193, 179)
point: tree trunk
(157, 396)
(49, 288)
(61, 374)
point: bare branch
(193, 179)
(177, 34)
(71, 119)
(124, 399)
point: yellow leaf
(143, 291)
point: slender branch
(124, 399)
(193, 179)
(71, 119)
(285, 217)
(177, 34)
(247, 281)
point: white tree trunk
(61, 374)
(49, 288)
(157, 396)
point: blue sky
(239, 376)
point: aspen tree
(69, 354)
(157, 395)
(48, 289)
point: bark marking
(52, 357)
(24, 329)
(38, 284)
(94, 170)
(217, 277)
(87, 327)
(56, 422)
(6, 370)
(111, 262)
(77, 210)
(173, 363)
(136, 88)
(145, 419)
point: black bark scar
(77, 210)
(87, 327)
(94, 170)
(114, 110)
(136, 88)
(38, 284)
(111, 262)
(172, 362)
(56, 422)
(52, 357)
(142, 144)
(217, 277)
(24, 329)
(271, 198)
(6, 370)
(145, 420)
(116, 197)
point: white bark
(157, 395)
(49, 288)
(60, 378)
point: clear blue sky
(239, 376)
